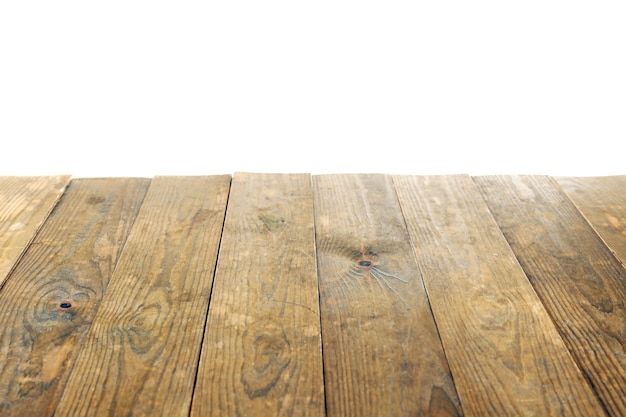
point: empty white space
(142, 88)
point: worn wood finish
(25, 202)
(602, 200)
(506, 356)
(580, 282)
(262, 354)
(382, 352)
(50, 299)
(141, 353)
(109, 306)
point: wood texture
(506, 356)
(140, 356)
(109, 307)
(262, 353)
(382, 352)
(25, 202)
(602, 200)
(50, 299)
(581, 283)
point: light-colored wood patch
(25, 202)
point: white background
(142, 88)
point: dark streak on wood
(602, 200)
(580, 282)
(506, 357)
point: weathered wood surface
(25, 202)
(506, 356)
(382, 353)
(602, 200)
(261, 354)
(424, 306)
(580, 282)
(48, 302)
(140, 356)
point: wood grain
(50, 299)
(581, 283)
(262, 352)
(25, 202)
(602, 200)
(382, 352)
(140, 356)
(506, 356)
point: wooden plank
(25, 204)
(506, 356)
(602, 200)
(49, 301)
(140, 356)
(261, 354)
(382, 352)
(580, 282)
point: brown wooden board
(382, 352)
(261, 354)
(140, 356)
(25, 202)
(580, 282)
(50, 298)
(506, 356)
(602, 200)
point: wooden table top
(299, 295)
